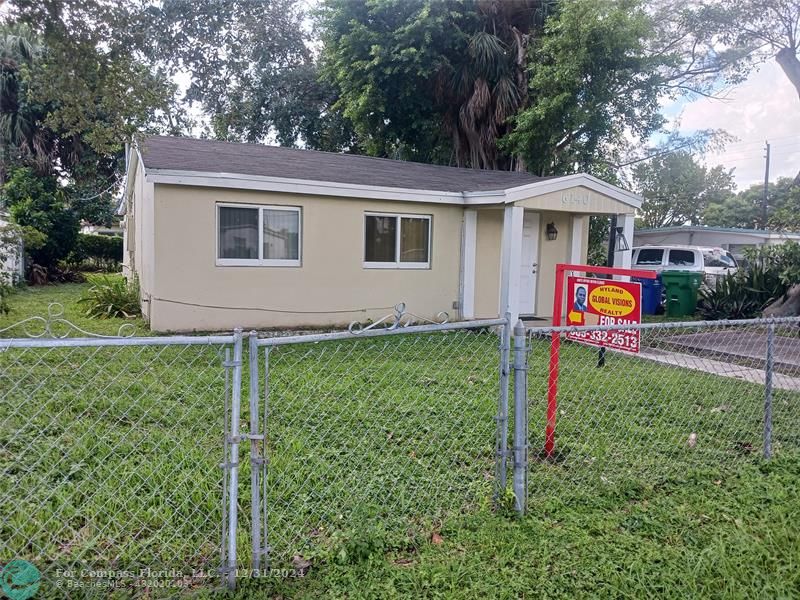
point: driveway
(743, 347)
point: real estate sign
(604, 302)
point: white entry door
(528, 264)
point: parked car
(713, 262)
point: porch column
(468, 263)
(577, 244)
(510, 261)
(623, 259)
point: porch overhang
(580, 193)
(579, 196)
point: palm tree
(18, 131)
(490, 83)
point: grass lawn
(33, 301)
(381, 471)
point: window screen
(238, 232)
(414, 234)
(281, 234)
(380, 239)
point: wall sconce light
(621, 243)
(552, 232)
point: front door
(529, 263)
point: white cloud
(765, 107)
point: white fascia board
(568, 181)
(782, 235)
(301, 186)
(484, 198)
(130, 178)
(349, 190)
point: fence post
(501, 450)
(520, 418)
(233, 459)
(225, 466)
(265, 549)
(255, 459)
(768, 390)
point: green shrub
(731, 298)
(771, 271)
(39, 205)
(103, 252)
(776, 268)
(109, 297)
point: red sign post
(604, 302)
(555, 339)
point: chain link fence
(110, 456)
(696, 397)
(376, 436)
(125, 464)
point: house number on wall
(575, 199)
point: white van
(714, 262)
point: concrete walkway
(723, 369)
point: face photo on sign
(580, 298)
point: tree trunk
(788, 61)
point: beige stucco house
(222, 235)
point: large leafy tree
(676, 189)
(431, 80)
(786, 215)
(745, 209)
(95, 89)
(593, 81)
(251, 72)
(764, 30)
(69, 106)
(37, 203)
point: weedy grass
(381, 472)
(704, 535)
(34, 301)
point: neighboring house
(221, 235)
(733, 240)
(12, 267)
(89, 229)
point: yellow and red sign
(604, 302)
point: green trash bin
(681, 290)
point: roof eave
(330, 188)
(558, 184)
(301, 186)
(132, 159)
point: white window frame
(396, 264)
(260, 261)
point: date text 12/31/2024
(604, 302)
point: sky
(765, 107)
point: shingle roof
(210, 156)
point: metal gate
(368, 436)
